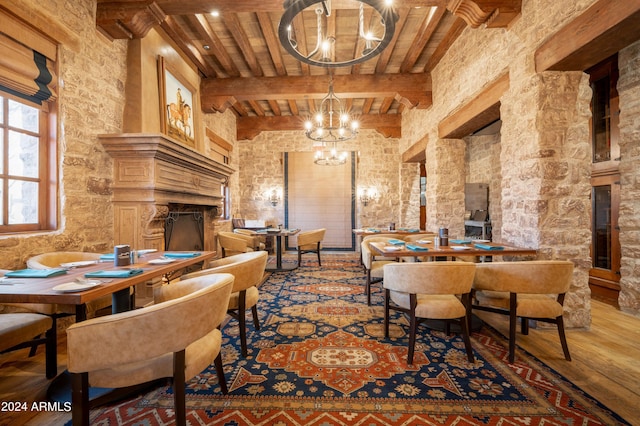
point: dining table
(78, 283)
(474, 248)
(278, 234)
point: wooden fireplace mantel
(152, 171)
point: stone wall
(378, 164)
(92, 80)
(629, 91)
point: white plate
(424, 241)
(75, 286)
(392, 248)
(460, 247)
(481, 241)
(78, 264)
(161, 261)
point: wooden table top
(468, 249)
(40, 290)
(399, 231)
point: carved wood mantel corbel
(490, 13)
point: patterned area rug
(320, 358)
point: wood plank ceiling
(245, 68)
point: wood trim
(417, 152)
(218, 140)
(602, 30)
(480, 111)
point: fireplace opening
(184, 231)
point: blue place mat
(373, 230)
(460, 241)
(114, 273)
(396, 242)
(36, 273)
(174, 255)
(416, 248)
(488, 247)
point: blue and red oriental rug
(320, 358)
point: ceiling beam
(389, 125)
(490, 13)
(480, 111)
(600, 31)
(412, 90)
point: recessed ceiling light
(206, 47)
(215, 13)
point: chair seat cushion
(436, 306)
(21, 327)
(538, 306)
(252, 297)
(495, 299)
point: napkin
(460, 241)
(36, 273)
(396, 242)
(106, 256)
(488, 247)
(114, 273)
(373, 230)
(192, 254)
(416, 248)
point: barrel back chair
(178, 337)
(22, 329)
(431, 290)
(248, 270)
(54, 260)
(373, 264)
(232, 243)
(310, 242)
(527, 290)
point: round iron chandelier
(331, 123)
(324, 157)
(376, 37)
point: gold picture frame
(176, 105)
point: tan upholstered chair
(177, 337)
(310, 242)
(248, 270)
(54, 260)
(432, 290)
(257, 242)
(373, 265)
(526, 289)
(232, 243)
(25, 330)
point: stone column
(546, 164)
(629, 221)
(445, 186)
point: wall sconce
(274, 197)
(368, 195)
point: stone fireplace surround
(151, 174)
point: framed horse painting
(176, 105)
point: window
(24, 166)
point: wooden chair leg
(513, 321)
(220, 373)
(80, 399)
(299, 257)
(242, 322)
(413, 325)
(467, 340)
(368, 287)
(386, 313)
(563, 338)
(179, 388)
(254, 314)
(319, 262)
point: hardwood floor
(605, 365)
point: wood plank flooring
(606, 365)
